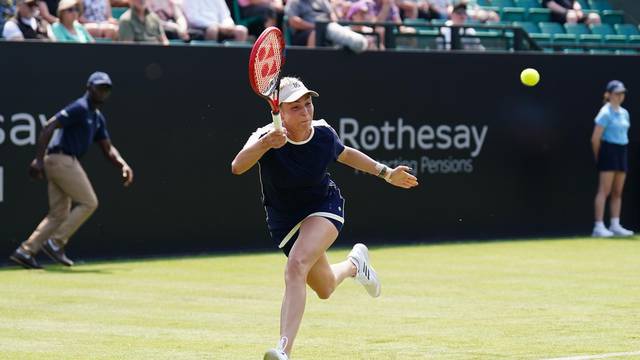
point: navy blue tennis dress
(296, 184)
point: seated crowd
(162, 21)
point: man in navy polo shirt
(63, 141)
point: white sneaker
(278, 353)
(365, 274)
(620, 231)
(601, 231)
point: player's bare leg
(316, 236)
(325, 278)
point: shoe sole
(22, 263)
(50, 255)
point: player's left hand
(127, 175)
(401, 177)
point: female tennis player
(305, 210)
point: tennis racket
(265, 65)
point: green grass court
(499, 300)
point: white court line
(598, 356)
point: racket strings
(267, 64)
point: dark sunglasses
(72, 9)
(32, 4)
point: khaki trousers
(67, 183)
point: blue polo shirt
(81, 126)
(615, 123)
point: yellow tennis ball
(530, 77)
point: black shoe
(26, 261)
(56, 255)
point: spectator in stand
(570, 11)
(303, 15)
(362, 11)
(388, 11)
(47, 8)
(475, 12)
(96, 17)
(439, 9)
(173, 20)
(139, 24)
(467, 40)
(270, 13)
(211, 20)
(27, 24)
(7, 10)
(68, 29)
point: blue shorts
(612, 157)
(284, 226)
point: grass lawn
(498, 300)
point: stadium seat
(503, 3)
(242, 20)
(577, 29)
(612, 16)
(116, 12)
(590, 38)
(626, 52)
(513, 14)
(483, 3)
(600, 5)
(103, 40)
(528, 26)
(615, 39)
(634, 39)
(557, 32)
(539, 15)
(626, 29)
(418, 21)
(602, 29)
(573, 51)
(551, 28)
(601, 51)
(527, 4)
(204, 43)
(178, 42)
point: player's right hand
(275, 139)
(36, 169)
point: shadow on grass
(76, 270)
(59, 269)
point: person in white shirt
(27, 23)
(211, 20)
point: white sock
(615, 222)
(600, 224)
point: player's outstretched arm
(400, 176)
(255, 148)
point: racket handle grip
(277, 121)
